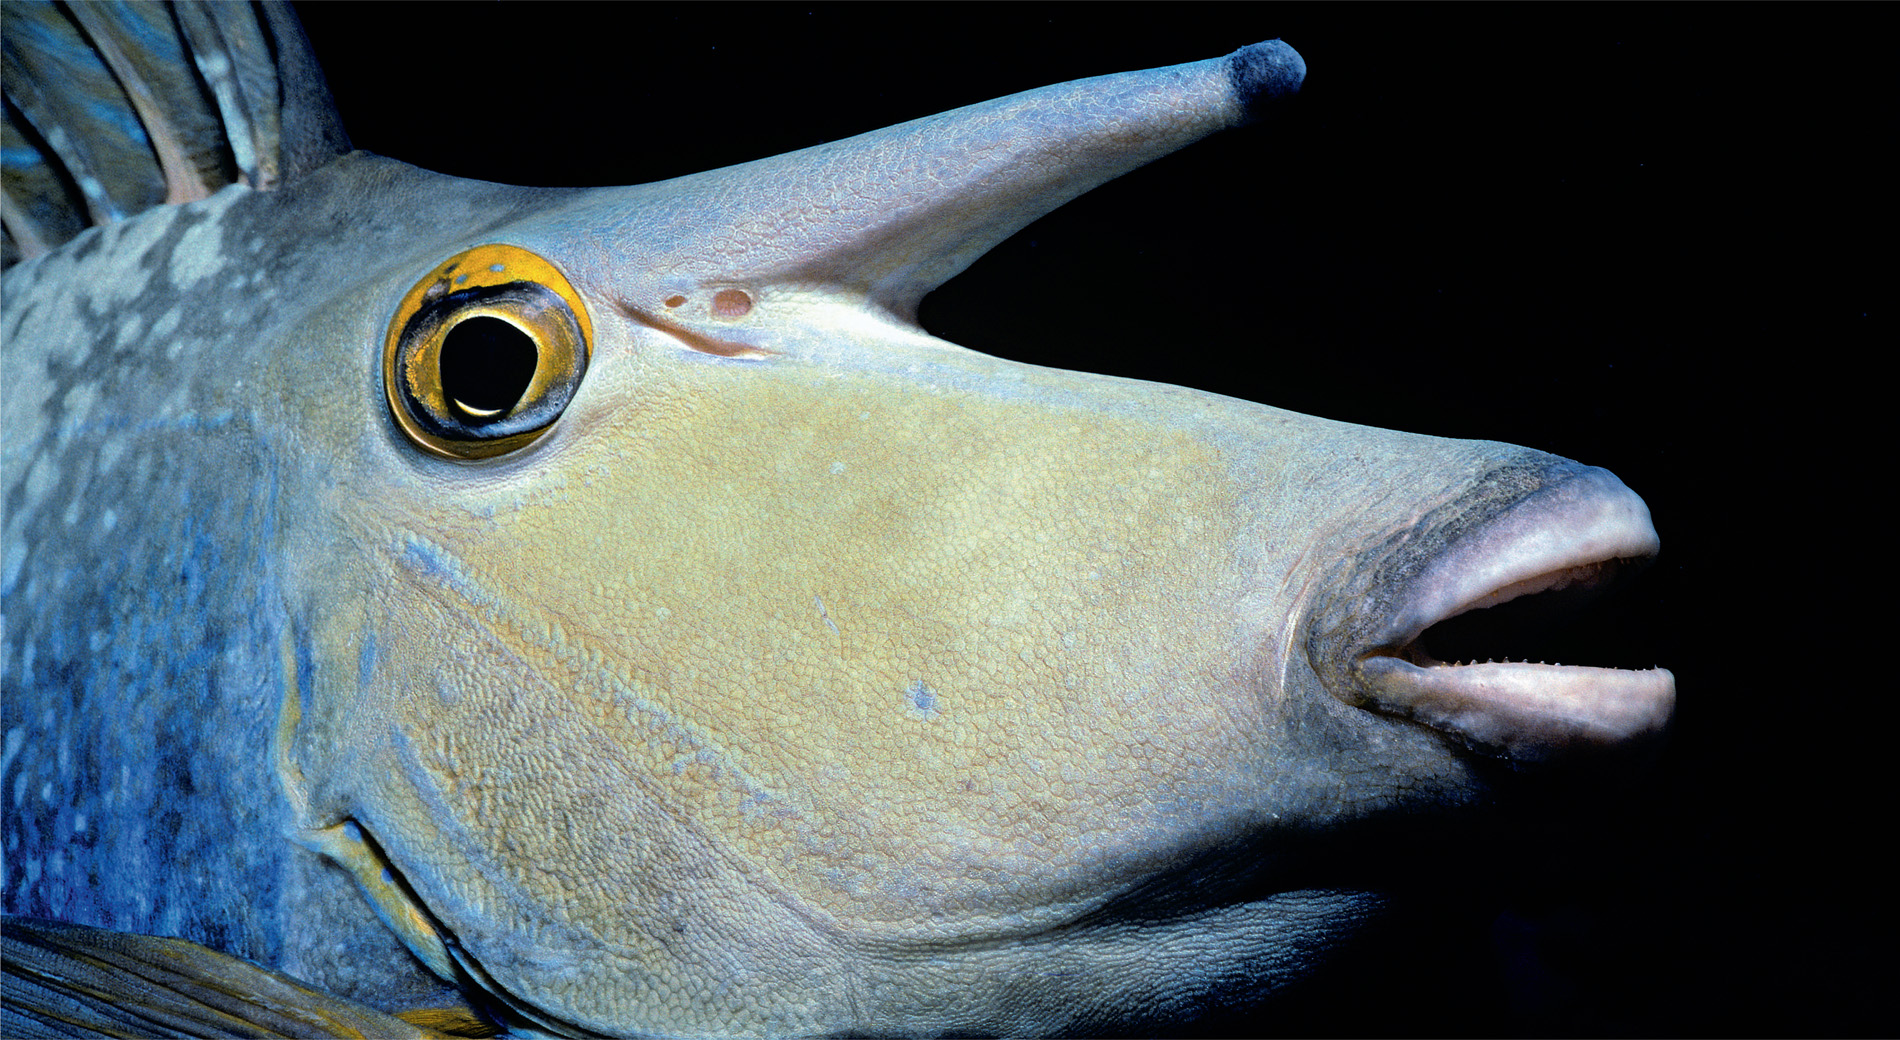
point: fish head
(701, 647)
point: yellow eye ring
(484, 354)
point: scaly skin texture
(810, 675)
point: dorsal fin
(114, 108)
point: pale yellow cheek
(862, 660)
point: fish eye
(484, 354)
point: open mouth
(1561, 616)
(1474, 644)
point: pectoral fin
(67, 980)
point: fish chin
(1567, 539)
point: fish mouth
(1551, 550)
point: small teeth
(1492, 660)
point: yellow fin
(71, 980)
(454, 1021)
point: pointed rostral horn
(894, 213)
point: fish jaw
(1574, 532)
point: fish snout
(1450, 613)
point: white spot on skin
(200, 252)
(79, 400)
(837, 469)
(15, 560)
(16, 739)
(42, 478)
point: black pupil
(486, 366)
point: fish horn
(894, 213)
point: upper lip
(1569, 532)
(1576, 528)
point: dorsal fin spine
(124, 107)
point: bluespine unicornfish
(607, 611)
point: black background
(1645, 238)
